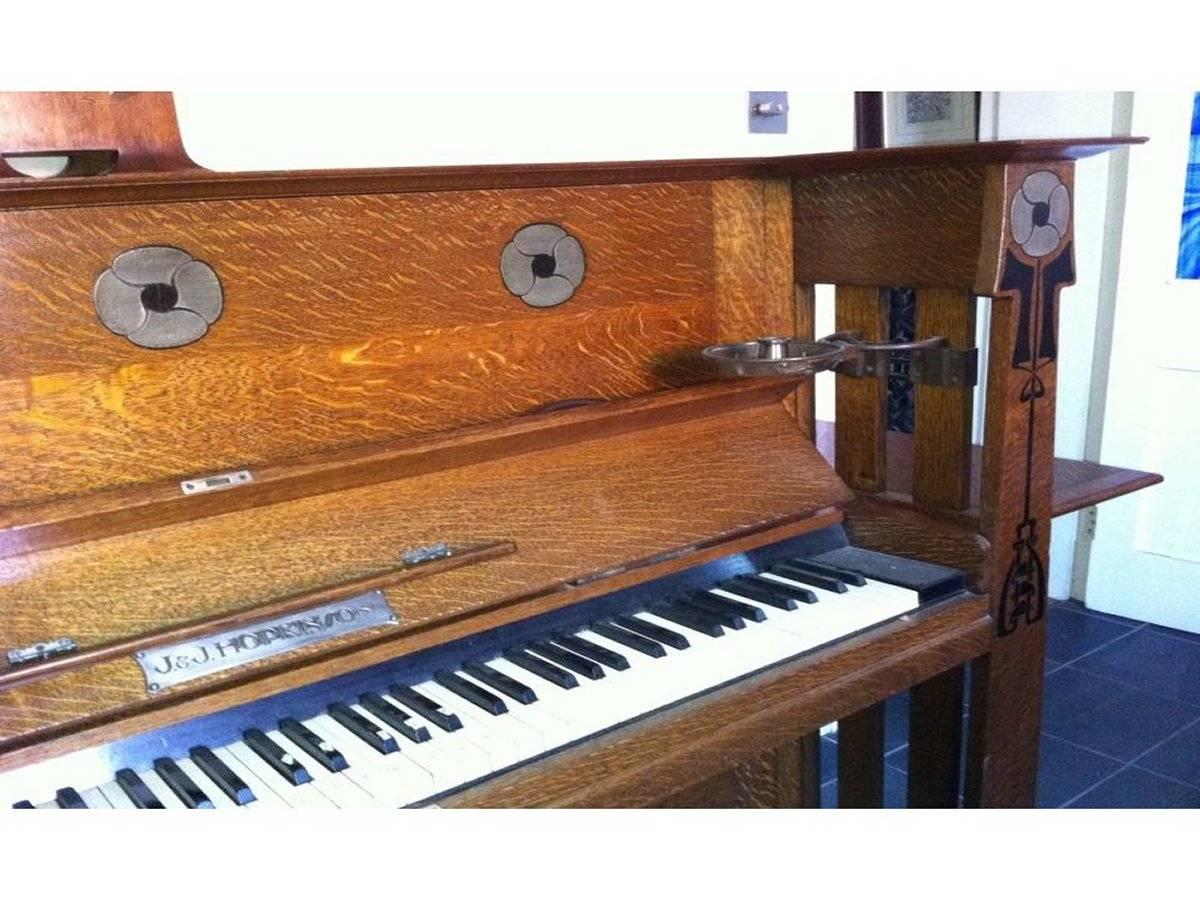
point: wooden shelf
(1077, 483)
(202, 184)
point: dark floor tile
(1066, 771)
(1152, 662)
(895, 729)
(829, 795)
(1178, 757)
(1191, 636)
(895, 788)
(1109, 617)
(898, 758)
(1108, 717)
(1134, 788)
(1071, 633)
(828, 760)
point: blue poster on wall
(1189, 236)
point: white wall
(233, 132)
(1011, 115)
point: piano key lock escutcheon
(319, 506)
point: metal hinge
(425, 554)
(42, 651)
(944, 367)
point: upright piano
(417, 487)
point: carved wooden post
(1030, 205)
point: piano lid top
(193, 183)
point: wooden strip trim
(942, 415)
(19, 193)
(11, 677)
(57, 523)
(861, 403)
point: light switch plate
(774, 120)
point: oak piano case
(412, 486)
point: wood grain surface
(140, 125)
(347, 320)
(572, 511)
(861, 403)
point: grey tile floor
(1120, 722)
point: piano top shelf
(202, 184)
(1077, 483)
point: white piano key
(161, 790)
(206, 784)
(303, 796)
(553, 730)
(390, 778)
(95, 799)
(340, 791)
(445, 770)
(509, 742)
(264, 797)
(116, 797)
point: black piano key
(313, 744)
(807, 576)
(425, 708)
(68, 798)
(362, 728)
(289, 768)
(688, 617)
(760, 590)
(845, 575)
(23, 804)
(471, 692)
(183, 787)
(222, 776)
(592, 651)
(734, 607)
(510, 687)
(654, 631)
(137, 791)
(629, 639)
(394, 717)
(573, 661)
(541, 668)
(700, 602)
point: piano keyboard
(408, 732)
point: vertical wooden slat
(860, 759)
(805, 400)
(810, 771)
(942, 426)
(935, 741)
(860, 429)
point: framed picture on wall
(929, 117)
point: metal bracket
(944, 367)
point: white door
(1144, 559)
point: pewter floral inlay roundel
(1041, 210)
(158, 297)
(542, 264)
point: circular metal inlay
(158, 297)
(1041, 211)
(542, 264)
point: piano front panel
(347, 320)
(574, 511)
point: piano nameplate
(173, 664)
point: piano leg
(935, 741)
(860, 759)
